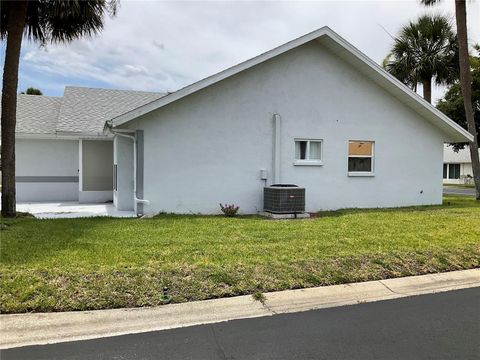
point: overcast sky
(162, 46)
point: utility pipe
(277, 132)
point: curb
(47, 328)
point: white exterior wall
(210, 146)
(123, 197)
(46, 170)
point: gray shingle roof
(80, 110)
(87, 109)
(37, 114)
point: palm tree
(425, 50)
(41, 21)
(465, 83)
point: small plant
(229, 210)
(259, 296)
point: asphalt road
(437, 326)
(450, 190)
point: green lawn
(97, 263)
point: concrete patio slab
(71, 209)
(44, 328)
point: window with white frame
(451, 171)
(360, 157)
(308, 151)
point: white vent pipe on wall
(277, 132)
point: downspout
(124, 133)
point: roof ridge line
(106, 89)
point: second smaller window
(308, 151)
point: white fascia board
(462, 135)
(345, 50)
(62, 136)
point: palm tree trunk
(16, 23)
(466, 85)
(427, 90)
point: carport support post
(139, 171)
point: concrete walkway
(71, 209)
(44, 328)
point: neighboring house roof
(460, 156)
(80, 111)
(345, 51)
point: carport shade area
(47, 170)
(52, 170)
(96, 180)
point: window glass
(359, 164)
(315, 150)
(457, 171)
(445, 167)
(360, 156)
(309, 150)
(454, 171)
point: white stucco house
(457, 166)
(315, 112)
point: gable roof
(339, 47)
(80, 111)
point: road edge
(19, 330)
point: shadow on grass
(26, 240)
(449, 202)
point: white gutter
(124, 133)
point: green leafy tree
(424, 51)
(41, 21)
(452, 103)
(465, 84)
(32, 91)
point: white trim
(343, 48)
(308, 161)
(199, 85)
(371, 156)
(448, 170)
(58, 136)
(361, 174)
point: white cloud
(163, 46)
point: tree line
(428, 50)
